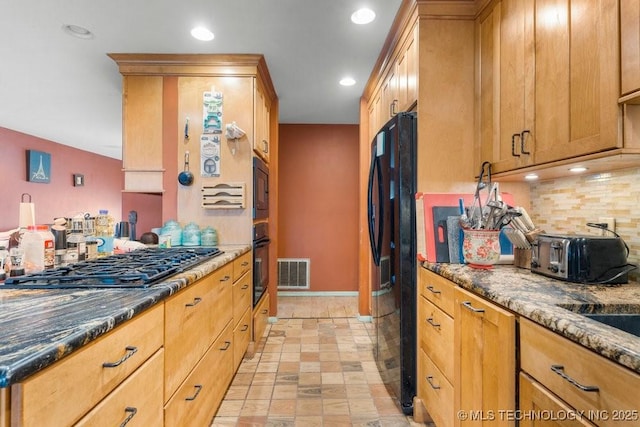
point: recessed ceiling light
(577, 169)
(347, 81)
(531, 177)
(202, 33)
(363, 16)
(77, 31)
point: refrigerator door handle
(376, 246)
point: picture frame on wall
(38, 166)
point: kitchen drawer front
(242, 291)
(241, 265)
(241, 338)
(194, 318)
(138, 400)
(534, 398)
(555, 361)
(260, 317)
(437, 336)
(81, 377)
(437, 289)
(435, 391)
(198, 398)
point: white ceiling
(67, 90)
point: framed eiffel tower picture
(38, 166)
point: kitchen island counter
(40, 327)
(556, 305)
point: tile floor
(314, 367)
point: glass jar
(38, 245)
(191, 235)
(209, 237)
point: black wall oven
(260, 260)
(260, 189)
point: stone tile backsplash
(565, 205)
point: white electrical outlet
(611, 225)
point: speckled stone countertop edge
(29, 344)
(541, 299)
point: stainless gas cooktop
(137, 269)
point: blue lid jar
(173, 229)
(209, 237)
(191, 235)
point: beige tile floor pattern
(313, 367)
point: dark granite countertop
(556, 305)
(39, 327)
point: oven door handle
(261, 242)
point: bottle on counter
(4, 258)
(76, 246)
(104, 233)
(38, 245)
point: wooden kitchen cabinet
(262, 107)
(83, 379)
(142, 159)
(195, 317)
(629, 47)
(586, 381)
(535, 399)
(242, 301)
(484, 359)
(549, 75)
(260, 317)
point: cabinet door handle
(245, 287)
(132, 413)
(430, 381)
(513, 144)
(227, 344)
(198, 387)
(468, 305)
(265, 311)
(433, 290)
(244, 327)
(523, 139)
(265, 144)
(130, 352)
(244, 264)
(559, 369)
(392, 108)
(195, 302)
(432, 323)
(225, 278)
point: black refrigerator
(392, 235)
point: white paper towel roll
(27, 212)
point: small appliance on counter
(581, 259)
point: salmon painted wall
(318, 202)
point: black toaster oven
(581, 259)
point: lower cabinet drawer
(85, 377)
(135, 402)
(435, 391)
(436, 338)
(241, 338)
(198, 398)
(585, 380)
(260, 318)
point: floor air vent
(293, 273)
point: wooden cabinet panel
(485, 359)
(194, 318)
(437, 393)
(136, 402)
(437, 289)
(437, 337)
(199, 397)
(82, 378)
(242, 296)
(535, 399)
(241, 337)
(629, 46)
(262, 122)
(260, 317)
(562, 371)
(241, 265)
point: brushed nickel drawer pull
(226, 346)
(432, 323)
(430, 381)
(225, 278)
(195, 302)
(472, 308)
(198, 387)
(244, 328)
(513, 144)
(523, 135)
(132, 413)
(265, 311)
(244, 264)
(559, 369)
(245, 287)
(433, 290)
(130, 351)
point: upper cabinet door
(629, 46)
(262, 122)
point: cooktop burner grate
(138, 269)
